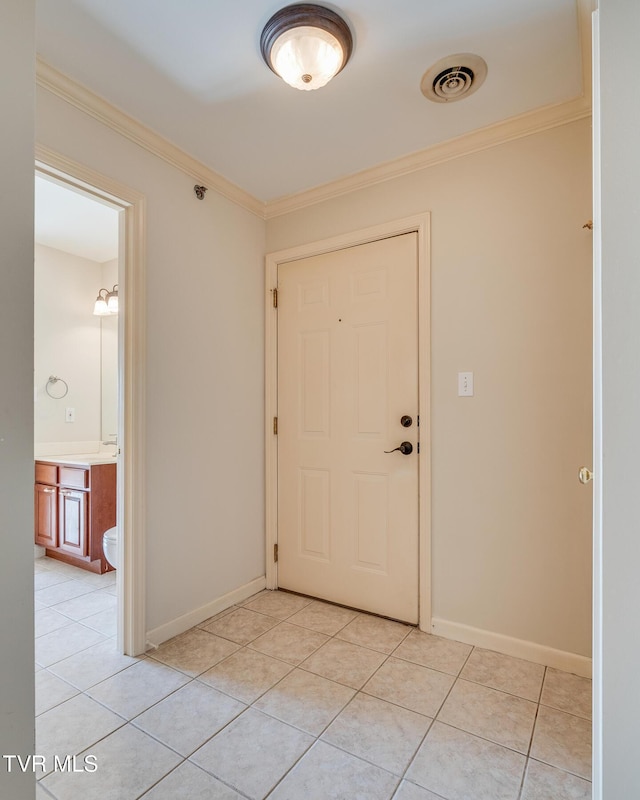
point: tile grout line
(315, 738)
(533, 730)
(196, 766)
(360, 691)
(92, 685)
(433, 720)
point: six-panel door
(347, 374)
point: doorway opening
(109, 377)
(76, 413)
(321, 530)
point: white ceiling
(74, 223)
(191, 70)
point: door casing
(420, 224)
(131, 639)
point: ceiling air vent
(453, 78)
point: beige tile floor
(293, 699)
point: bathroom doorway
(92, 406)
(76, 413)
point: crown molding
(90, 103)
(526, 124)
(480, 139)
(517, 127)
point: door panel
(46, 520)
(72, 529)
(347, 372)
(314, 505)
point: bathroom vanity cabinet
(75, 503)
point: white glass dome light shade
(306, 58)
(100, 308)
(112, 301)
(306, 45)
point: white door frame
(597, 653)
(421, 225)
(131, 391)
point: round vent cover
(453, 77)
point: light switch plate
(465, 384)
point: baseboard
(181, 624)
(519, 648)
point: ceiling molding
(472, 142)
(85, 100)
(482, 139)
(541, 119)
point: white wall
(620, 124)
(67, 345)
(511, 300)
(204, 370)
(16, 393)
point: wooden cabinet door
(72, 521)
(46, 518)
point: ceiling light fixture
(306, 45)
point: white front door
(347, 375)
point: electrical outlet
(465, 384)
(69, 414)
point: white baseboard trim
(181, 624)
(519, 648)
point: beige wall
(204, 370)
(67, 344)
(16, 394)
(511, 301)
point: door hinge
(275, 425)
(275, 298)
(275, 552)
(418, 446)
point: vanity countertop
(79, 460)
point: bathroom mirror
(109, 377)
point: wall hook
(199, 190)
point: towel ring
(53, 379)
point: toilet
(110, 546)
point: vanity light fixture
(306, 45)
(106, 303)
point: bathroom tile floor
(294, 699)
